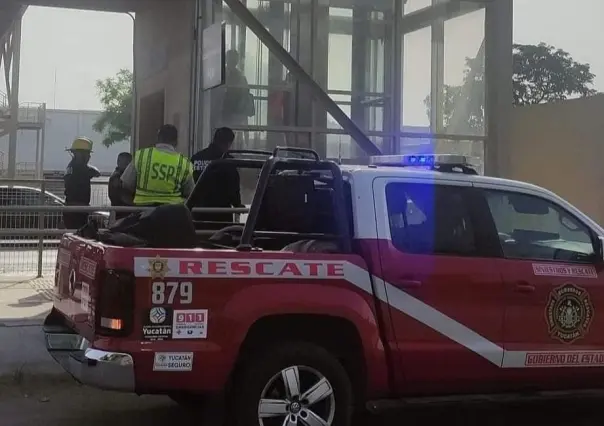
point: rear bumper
(89, 366)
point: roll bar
(269, 168)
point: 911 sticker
(173, 361)
(190, 324)
(171, 292)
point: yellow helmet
(81, 144)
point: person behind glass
(237, 101)
(221, 186)
(77, 178)
(160, 174)
(117, 194)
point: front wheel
(293, 384)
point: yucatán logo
(157, 323)
(157, 315)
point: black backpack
(166, 226)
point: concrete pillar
(499, 89)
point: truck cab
(347, 287)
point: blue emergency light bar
(421, 160)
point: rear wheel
(293, 384)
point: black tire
(263, 365)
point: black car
(27, 196)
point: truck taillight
(115, 306)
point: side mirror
(600, 249)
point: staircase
(30, 116)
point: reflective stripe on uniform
(159, 176)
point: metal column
(437, 73)
(319, 62)
(397, 67)
(276, 25)
(298, 72)
(15, 46)
(361, 20)
(210, 12)
(499, 90)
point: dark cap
(223, 135)
(167, 134)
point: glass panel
(347, 56)
(463, 109)
(415, 5)
(257, 83)
(416, 81)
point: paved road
(72, 405)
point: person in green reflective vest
(160, 175)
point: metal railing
(39, 243)
(31, 213)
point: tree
(115, 122)
(542, 73)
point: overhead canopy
(9, 11)
(99, 5)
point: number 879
(166, 292)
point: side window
(27, 197)
(51, 201)
(14, 197)
(530, 227)
(429, 219)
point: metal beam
(98, 5)
(425, 17)
(298, 72)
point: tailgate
(77, 277)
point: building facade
(61, 128)
(341, 76)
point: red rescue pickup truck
(349, 287)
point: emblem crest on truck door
(569, 313)
(158, 268)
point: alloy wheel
(297, 395)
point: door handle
(524, 287)
(410, 283)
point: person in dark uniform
(221, 188)
(117, 194)
(77, 182)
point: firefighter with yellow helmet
(77, 182)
